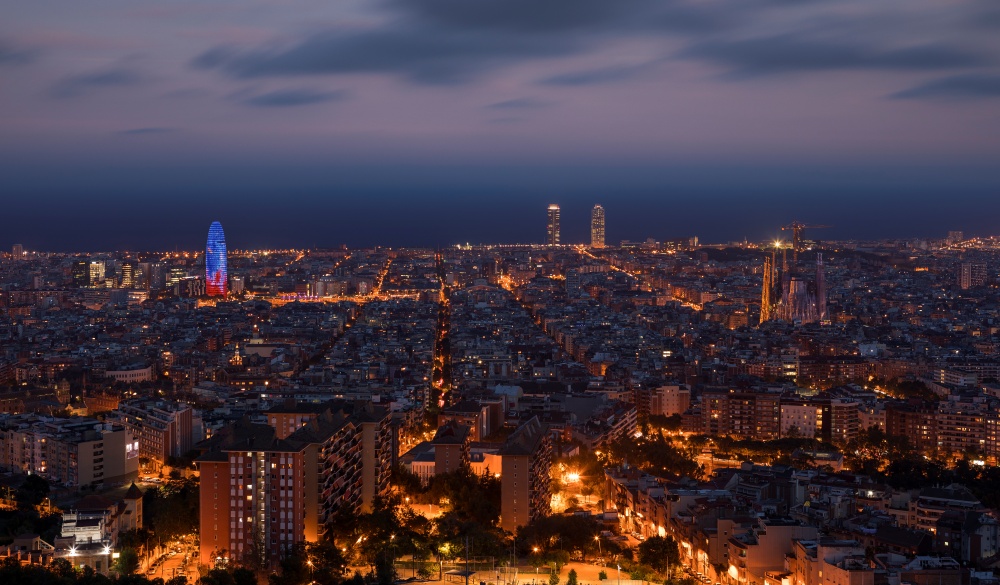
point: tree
(128, 562)
(553, 578)
(328, 562)
(32, 492)
(660, 553)
(571, 578)
(602, 576)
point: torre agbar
(216, 272)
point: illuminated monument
(216, 272)
(790, 293)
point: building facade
(597, 227)
(216, 262)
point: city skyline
(516, 224)
(515, 292)
(118, 110)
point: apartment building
(526, 460)
(70, 451)
(261, 492)
(163, 428)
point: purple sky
(88, 88)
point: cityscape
(500, 292)
(789, 411)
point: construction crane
(798, 228)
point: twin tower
(553, 233)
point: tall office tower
(156, 277)
(216, 270)
(128, 274)
(17, 252)
(80, 273)
(553, 226)
(972, 275)
(597, 227)
(97, 269)
(955, 237)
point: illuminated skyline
(680, 116)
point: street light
(598, 539)
(619, 574)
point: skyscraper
(80, 272)
(972, 275)
(128, 274)
(553, 225)
(97, 272)
(17, 252)
(216, 269)
(597, 227)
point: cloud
(520, 104)
(145, 131)
(283, 98)
(790, 54)
(77, 85)
(442, 57)
(457, 41)
(13, 55)
(597, 76)
(972, 86)
(566, 16)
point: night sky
(134, 124)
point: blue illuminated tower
(216, 269)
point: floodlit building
(597, 227)
(216, 269)
(553, 225)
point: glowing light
(216, 263)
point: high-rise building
(525, 462)
(97, 271)
(265, 487)
(128, 274)
(597, 227)
(80, 273)
(972, 275)
(216, 269)
(955, 237)
(156, 276)
(553, 225)
(17, 252)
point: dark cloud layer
(442, 57)
(597, 76)
(11, 54)
(520, 104)
(283, 98)
(791, 54)
(77, 85)
(455, 41)
(569, 16)
(970, 86)
(146, 131)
